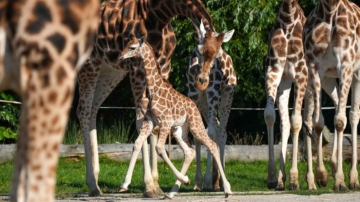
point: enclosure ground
(238, 196)
(267, 196)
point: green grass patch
(243, 176)
(118, 131)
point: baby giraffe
(172, 112)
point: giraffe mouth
(202, 83)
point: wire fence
(113, 107)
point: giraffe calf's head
(208, 51)
(132, 49)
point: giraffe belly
(179, 121)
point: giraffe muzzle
(202, 83)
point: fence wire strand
(235, 109)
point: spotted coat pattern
(43, 44)
(174, 113)
(331, 43)
(121, 21)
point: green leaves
(252, 21)
(9, 115)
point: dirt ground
(243, 196)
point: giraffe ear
(141, 41)
(202, 29)
(228, 35)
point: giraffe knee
(296, 123)
(269, 115)
(159, 149)
(340, 123)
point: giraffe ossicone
(174, 113)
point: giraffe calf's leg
(181, 136)
(212, 147)
(145, 131)
(160, 149)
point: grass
(243, 176)
(119, 131)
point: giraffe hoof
(280, 188)
(272, 185)
(322, 182)
(354, 186)
(321, 178)
(167, 198)
(294, 186)
(207, 189)
(122, 189)
(340, 187)
(229, 195)
(159, 191)
(197, 188)
(216, 189)
(95, 193)
(150, 194)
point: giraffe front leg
(160, 149)
(321, 176)
(44, 116)
(296, 119)
(345, 77)
(283, 102)
(87, 88)
(224, 112)
(181, 136)
(153, 160)
(330, 86)
(140, 142)
(354, 121)
(275, 69)
(308, 134)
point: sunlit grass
(243, 176)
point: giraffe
(285, 64)
(173, 112)
(331, 41)
(43, 44)
(211, 84)
(119, 21)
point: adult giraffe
(285, 64)
(120, 22)
(331, 38)
(43, 44)
(211, 84)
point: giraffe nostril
(202, 80)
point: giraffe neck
(329, 6)
(287, 11)
(152, 74)
(161, 12)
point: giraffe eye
(132, 48)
